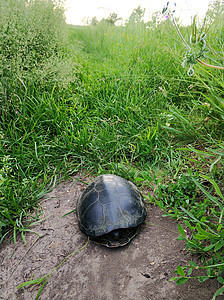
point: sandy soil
(140, 270)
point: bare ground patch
(140, 270)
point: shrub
(33, 38)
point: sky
(79, 10)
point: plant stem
(186, 44)
(208, 65)
(178, 31)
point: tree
(94, 21)
(113, 18)
(137, 15)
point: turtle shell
(111, 210)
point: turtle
(110, 211)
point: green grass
(110, 99)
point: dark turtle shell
(111, 210)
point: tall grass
(36, 66)
(107, 99)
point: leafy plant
(33, 44)
(198, 48)
(197, 200)
(207, 240)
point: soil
(140, 270)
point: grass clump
(36, 64)
(112, 99)
(31, 33)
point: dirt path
(140, 270)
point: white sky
(77, 10)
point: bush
(33, 38)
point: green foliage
(215, 12)
(199, 203)
(112, 19)
(33, 38)
(19, 193)
(35, 58)
(136, 16)
(198, 46)
(111, 99)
